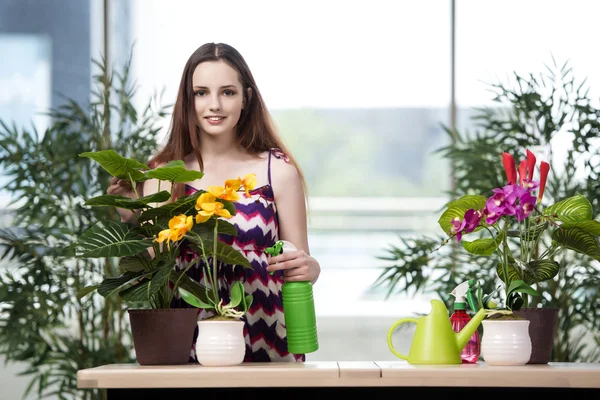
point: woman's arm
(290, 200)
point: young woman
(221, 126)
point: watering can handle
(392, 329)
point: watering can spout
(462, 337)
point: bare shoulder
(283, 172)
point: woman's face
(218, 97)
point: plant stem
(505, 262)
(215, 239)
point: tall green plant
(43, 323)
(532, 111)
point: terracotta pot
(541, 330)
(163, 336)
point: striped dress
(257, 224)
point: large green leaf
(191, 299)
(181, 280)
(137, 293)
(119, 283)
(176, 172)
(483, 247)
(183, 205)
(117, 165)
(520, 286)
(578, 240)
(161, 277)
(206, 229)
(236, 294)
(533, 272)
(225, 253)
(125, 202)
(592, 226)
(111, 239)
(458, 207)
(571, 210)
(86, 290)
(135, 263)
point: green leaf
(229, 206)
(206, 230)
(519, 286)
(176, 172)
(111, 239)
(457, 208)
(134, 263)
(541, 270)
(533, 272)
(181, 280)
(119, 283)
(483, 247)
(117, 165)
(247, 303)
(237, 294)
(86, 290)
(183, 205)
(571, 210)
(592, 226)
(225, 253)
(189, 298)
(161, 277)
(137, 293)
(578, 240)
(127, 203)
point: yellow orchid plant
(148, 247)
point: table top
(340, 373)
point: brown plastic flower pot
(163, 336)
(542, 326)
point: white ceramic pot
(505, 342)
(220, 343)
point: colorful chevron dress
(257, 224)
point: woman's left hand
(297, 266)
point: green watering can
(434, 341)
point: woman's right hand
(122, 187)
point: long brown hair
(255, 130)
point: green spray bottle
(298, 309)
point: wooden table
(371, 378)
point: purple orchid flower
(468, 224)
(519, 202)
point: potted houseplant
(525, 236)
(148, 249)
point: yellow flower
(249, 182)
(208, 206)
(178, 227)
(225, 193)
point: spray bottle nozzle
(276, 249)
(464, 294)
